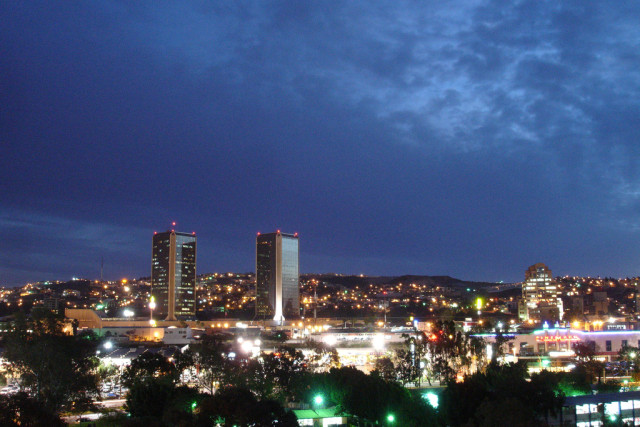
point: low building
(320, 417)
(177, 336)
(600, 409)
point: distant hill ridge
(351, 281)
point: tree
(212, 363)
(628, 359)
(147, 366)
(345, 388)
(60, 369)
(148, 398)
(323, 357)
(407, 367)
(385, 369)
(238, 406)
(251, 374)
(283, 365)
(158, 398)
(440, 354)
(476, 399)
(21, 410)
(499, 346)
(586, 361)
(184, 361)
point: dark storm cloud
(395, 137)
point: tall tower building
(173, 274)
(540, 295)
(277, 284)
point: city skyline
(397, 138)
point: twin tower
(173, 276)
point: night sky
(470, 139)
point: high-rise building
(277, 283)
(540, 295)
(173, 274)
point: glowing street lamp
(391, 418)
(318, 399)
(152, 306)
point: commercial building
(277, 283)
(551, 346)
(173, 275)
(540, 295)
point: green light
(99, 307)
(193, 406)
(432, 398)
(391, 418)
(318, 399)
(546, 362)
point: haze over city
(395, 137)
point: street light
(152, 306)
(318, 399)
(391, 418)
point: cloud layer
(395, 137)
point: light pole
(152, 323)
(152, 306)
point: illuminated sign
(557, 338)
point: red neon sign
(557, 338)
